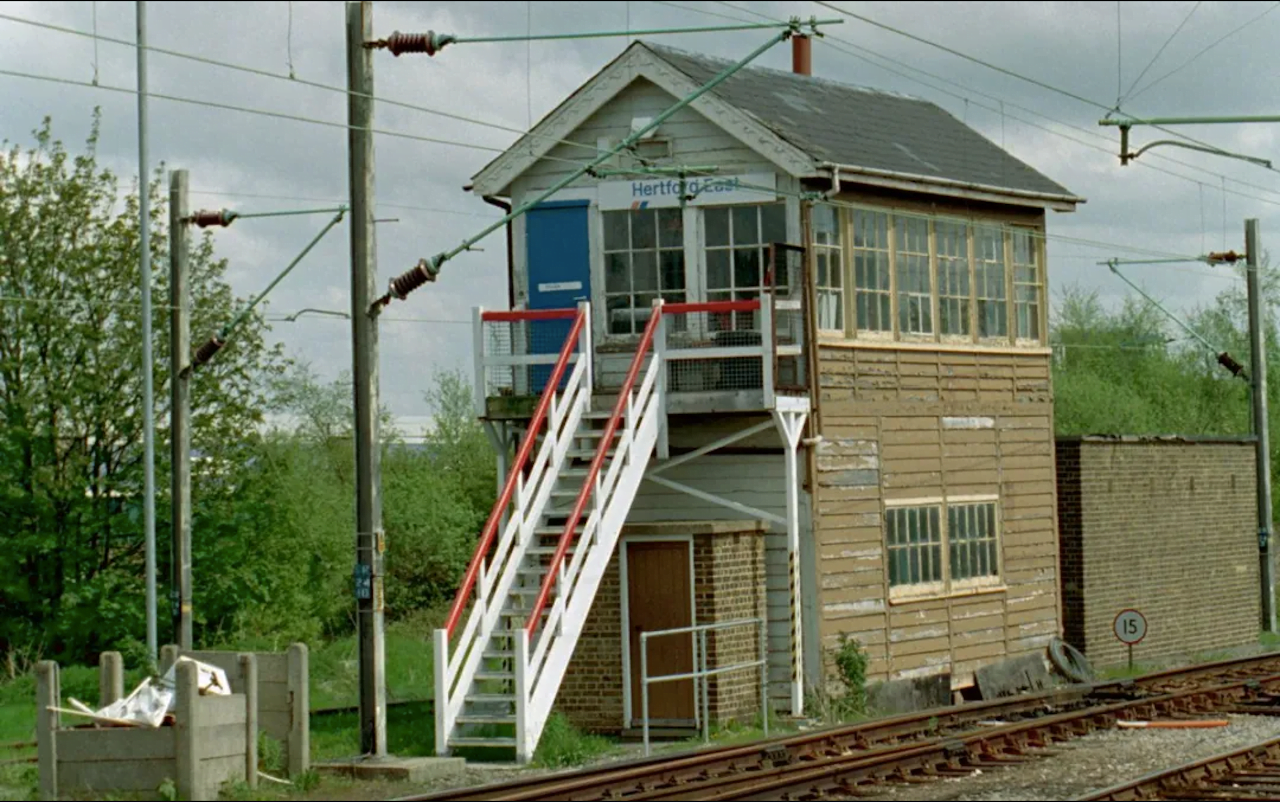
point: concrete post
(186, 756)
(249, 680)
(300, 705)
(110, 678)
(180, 406)
(48, 695)
(168, 656)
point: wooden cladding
(966, 431)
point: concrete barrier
(284, 698)
(213, 740)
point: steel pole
(364, 354)
(1257, 344)
(148, 390)
(180, 406)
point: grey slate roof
(861, 127)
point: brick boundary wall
(1164, 525)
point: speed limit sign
(1130, 627)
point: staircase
(543, 553)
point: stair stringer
(546, 683)
(482, 622)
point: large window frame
(982, 291)
(932, 538)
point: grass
(563, 745)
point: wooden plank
(872, 577)
(924, 465)
(908, 437)
(851, 555)
(981, 651)
(836, 494)
(1031, 616)
(920, 632)
(909, 422)
(965, 436)
(923, 660)
(918, 614)
(978, 623)
(123, 775)
(976, 607)
(939, 645)
(977, 637)
(1037, 595)
(1024, 422)
(222, 740)
(861, 520)
(1028, 501)
(849, 535)
(863, 506)
(913, 480)
(854, 594)
(116, 743)
(869, 560)
(835, 609)
(868, 629)
(1020, 555)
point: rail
(490, 530)
(624, 404)
(702, 673)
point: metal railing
(700, 673)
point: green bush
(564, 745)
(851, 661)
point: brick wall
(1163, 525)
(729, 584)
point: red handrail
(610, 429)
(516, 315)
(522, 456)
(711, 306)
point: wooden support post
(186, 754)
(48, 695)
(110, 678)
(300, 710)
(249, 680)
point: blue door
(559, 266)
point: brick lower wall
(729, 584)
(1166, 526)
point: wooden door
(659, 597)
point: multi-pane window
(942, 546)
(953, 278)
(643, 259)
(988, 269)
(1026, 286)
(737, 251)
(873, 301)
(829, 288)
(915, 285)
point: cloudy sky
(252, 162)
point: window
(643, 258)
(828, 254)
(988, 246)
(953, 278)
(871, 270)
(1026, 286)
(915, 286)
(737, 242)
(941, 547)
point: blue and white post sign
(664, 192)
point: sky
(1096, 51)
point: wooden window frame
(930, 268)
(640, 314)
(948, 587)
(853, 321)
(841, 249)
(1038, 263)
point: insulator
(429, 42)
(208, 217)
(411, 280)
(206, 351)
(1229, 362)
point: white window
(942, 546)
(953, 278)
(989, 265)
(871, 271)
(643, 259)
(1027, 285)
(915, 285)
(828, 253)
(737, 252)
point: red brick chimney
(801, 55)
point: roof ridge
(809, 79)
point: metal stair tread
(495, 675)
(481, 718)
(474, 741)
(490, 698)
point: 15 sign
(1130, 627)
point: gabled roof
(812, 122)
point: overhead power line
(1159, 52)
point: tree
(459, 444)
(70, 397)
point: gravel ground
(1092, 763)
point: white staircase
(533, 580)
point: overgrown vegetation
(844, 695)
(564, 745)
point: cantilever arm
(1215, 151)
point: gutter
(947, 182)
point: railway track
(1243, 774)
(947, 742)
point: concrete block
(396, 769)
(1009, 677)
(910, 695)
